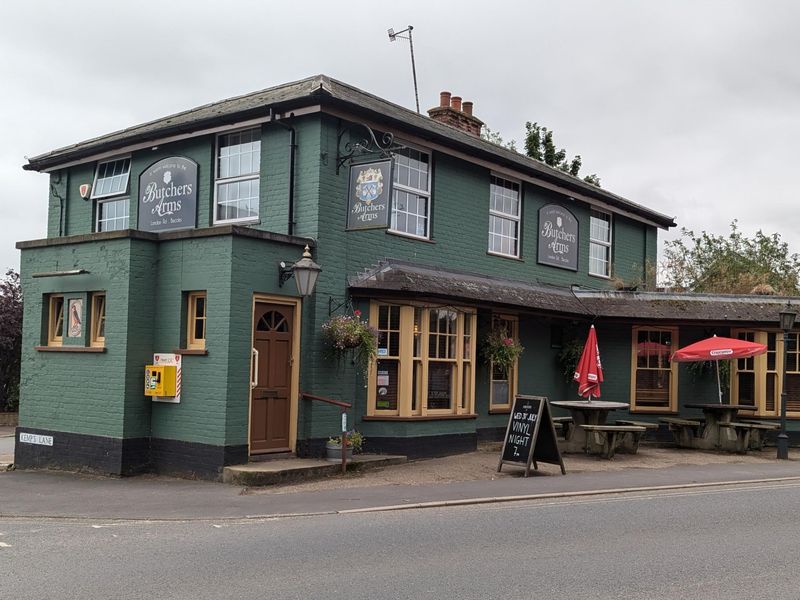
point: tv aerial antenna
(392, 37)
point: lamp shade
(306, 272)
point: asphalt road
(702, 543)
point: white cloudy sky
(689, 107)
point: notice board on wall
(530, 435)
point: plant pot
(334, 452)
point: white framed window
(113, 215)
(600, 244)
(504, 208)
(411, 200)
(236, 193)
(111, 178)
(110, 188)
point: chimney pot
(467, 108)
(455, 103)
(444, 99)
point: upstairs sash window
(237, 176)
(111, 191)
(504, 208)
(600, 244)
(411, 200)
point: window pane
(112, 215)
(237, 200)
(440, 385)
(239, 153)
(386, 389)
(112, 178)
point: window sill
(191, 351)
(83, 349)
(653, 411)
(508, 256)
(409, 236)
(418, 418)
(599, 276)
(500, 411)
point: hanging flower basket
(345, 333)
(501, 350)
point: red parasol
(589, 372)
(717, 349)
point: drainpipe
(62, 208)
(292, 160)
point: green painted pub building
(165, 244)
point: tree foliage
(10, 339)
(732, 264)
(539, 144)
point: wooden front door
(270, 406)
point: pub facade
(174, 245)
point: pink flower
(508, 342)
(357, 312)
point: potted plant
(501, 350)
(354, 441)
(345, 333)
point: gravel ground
(482, 465)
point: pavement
(463, 479)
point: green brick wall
(79, 392)
(147, 283)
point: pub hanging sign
(369, 195)
(168, 195)
(558, 237)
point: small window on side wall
(98, 324)
(111, 190)
(196, 327)
(55, 323)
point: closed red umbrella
(717, 349)
(589, 372)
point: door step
(271, 456)
(288, 470)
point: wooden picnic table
(584, 412)
(718, 434)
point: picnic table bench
(758, 430)
(608, 437)
(627, 442)
(685, 431)
(564, 425)
(742, 431)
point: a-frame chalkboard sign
(530, 435)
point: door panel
(271, 397)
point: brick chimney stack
(451, 111)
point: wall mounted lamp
(305, 272)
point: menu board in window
(530, 435)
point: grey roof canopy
(328, 92)
(399, 278)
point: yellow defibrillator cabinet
(159, 380)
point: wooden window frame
(673, 391)
(463, 401)
(192, 342)
(513, 382)
(98, 308)
(761, 371)
(54, 319)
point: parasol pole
(719, 387)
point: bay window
(425, 363)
